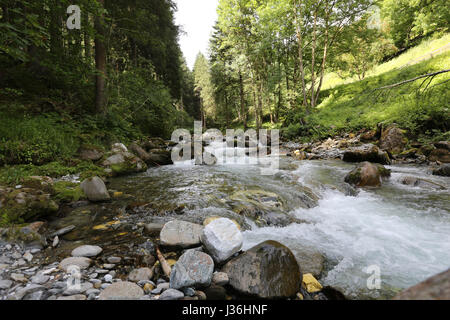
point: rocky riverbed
(180, 231)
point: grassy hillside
(422, 109)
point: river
(400, 230)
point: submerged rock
(222, 238)
(95, 190)
(193, 269)
(367, 174)
(366, 152)
(268, 270)
(434, 288)
(181, 234)
(443, 170)
(419, 182)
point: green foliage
(13, 175)
(355, 106)
(68, 191)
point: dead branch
(432, 75)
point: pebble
(171, 294)
(190, 292)
(80, 262)
(109, 266)
(140, 274)
(40, 279)
(105, 285)
(93, 291)
(8, 247)
(18, 277)
(5, 284)
(114, 259)
(74, 297)
(220, 278)
(55, 242)
(86, 251)
(108, 278)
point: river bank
(333, 229)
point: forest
(357, 207)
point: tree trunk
(241, 93)
(87, 39)
(300, 50)
(100, 63)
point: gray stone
(222, 238)
(5, 284)
(268, 270)
(39, 278)
(140, 274)
(171, 294)
(86, 251)
(122, 291)
(95, 189)
(153, 228)
(114, 259)
(81, 262)
(181, 234)
(73, 290)
(220, 278)
(108, 278)
(93, 291)
(18, 277)
(62, 231)
(193, 269)
(74, 297)
(27, 290)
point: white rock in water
(95, 189)
(181, 233)
(86, 251)
(222, 238)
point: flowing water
(402, 231)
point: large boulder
(367, 174)
(222, 238)
(441, 155)
(392, 139)
(95, 190)
(443, 170)
(122, 162)
(268, 270)
(122, 290)
(366, 152)
(159, 157)
(25, 204)
(193, 269)
(181, 234)
(435, 288)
